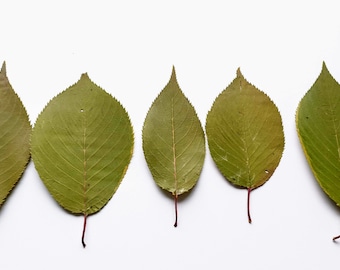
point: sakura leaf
(15, 131)
(173, 141)
(82, 143)
(318, 127)
(245, 135)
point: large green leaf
(318, 127)
(173, 141)
(245, 135)
(15, 131)
(82, 143)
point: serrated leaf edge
(4, 72)
(173, 76)
(85, 75)
(324, 68)
(240, 75)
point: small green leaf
(173, 141)
(318, 127)
(245, 135)
(15, 132)
(82, 144)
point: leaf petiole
(176, 213)
(84, 229)
(336, 238)
(248, 205)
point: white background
(129, 48)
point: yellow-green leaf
(318, 127)
(173, 141)
(15, 131)
(82, 143)
(245, 135)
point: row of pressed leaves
(82, 141)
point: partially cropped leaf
(15, 131)
(82, 143)
(173, 141)
(318, 127)
(245, 135)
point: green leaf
(15, 131)
(318, 127)
(245, 135)
(173, 141)
(82, 144)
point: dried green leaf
(173, 141)
(15, 131)
(318, 127)
(245, 135)
(82, 144)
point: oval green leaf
(245, 135)
(82, 144)
(318, 127)
(173, 141)
(15, 132)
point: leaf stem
(248, 205)
(176, 212)
(84, 229)
(336, 238)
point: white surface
(128, 48)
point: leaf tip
(325, 71)
(84, 76)
(324, 67)
(173, 73)
(3, 68)
(173, 78)
(239, 73)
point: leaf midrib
(245, 140)
(84, 161)
(173, 144)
